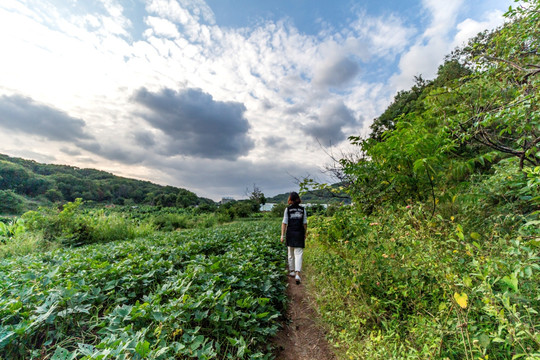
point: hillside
(25, 184)
(316, 196)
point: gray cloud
(196, 124)
(276, 142)
(115, 152)
(336, 72)
(144, 138)
(23, 114)
(72, 152)
(295, 109)
(328, 128)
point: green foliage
(316, 193)
(73, 227)
(497, 106)
(54, 195)
(237, 209)
(10, 229)
(194, 294)
(278, 210)
(395, 285)
(256, 195)
(405, 102)
(170, 222)
(10, 202)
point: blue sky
(217, 95)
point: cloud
(70, 151)
(469, 28)
(382, 36)
(195, 124)
(117, 151)
(328, 128)
(144, 138)
(424, 56)
(161, 27)
(336, 72)
(23, 114)
(443, 14)
(440, 37)
(277, 142)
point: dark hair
(294, 198)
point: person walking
(294, 229)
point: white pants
(295, 258)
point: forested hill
(23, 182)
(327, 195)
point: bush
(170, 222)
(10, 202)
(278, 210)
(404, 285)
(74, 228)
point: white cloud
(469, 28)
(441, 37)
(380, 36)
(161, 27)
(428, 51)
(443, 17)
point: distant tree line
(23, 180)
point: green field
(204, 293)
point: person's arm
(305, 223)
(284, 224)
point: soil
(301, 338)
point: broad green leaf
(63, 354)
(142, 348)
(511, 281)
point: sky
(214, 96)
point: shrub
(74, 228)
(170, 222)
(403, 285)
(10, 202)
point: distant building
(310, 205)
(225, 200)
(270, 206)
(267, 207)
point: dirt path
(301, 338)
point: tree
(54, 195)
(405, 102)
(256, 195)
(498, 105)
(186, 198)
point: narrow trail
(301, 338)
